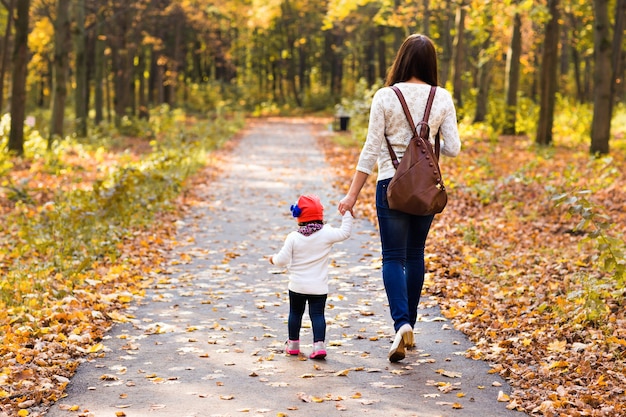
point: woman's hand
(346, 204)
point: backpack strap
(424, 122)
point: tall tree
(59, 69)
(20, 62)
(4, 61)
(603, 73)
(446, 42)
(458, 54)
(80, 68)
(426, 18)
(484, 58)
(548, 76)
(608, 57)
(121, 59)
(512, 75)
(99, 66)
(619, 56)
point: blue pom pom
(295, 210)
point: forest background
(110, 107)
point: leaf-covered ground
(507, 265)
(50, 321)
(511, 269)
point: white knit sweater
(387, 119)
(306, 257)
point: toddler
(305, 254)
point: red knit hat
(308, 208)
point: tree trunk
(100, 62)
(80, 94)
(18, 92)
(370, 55)
(426, 18)
(446, 44)
(484, 76)
(59, 70)
(141, 95)
(576, 61)
(603, 75)
(458, 53)
(334, 46)
(619, 55)
(512, 77)
(548, 76)
(5, 52)
(381, 53)
(617, 50)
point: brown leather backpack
(417, 186)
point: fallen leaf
(449, 374)
(502, 397)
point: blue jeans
(297, 304)
(403, 237)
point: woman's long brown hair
(416, 57)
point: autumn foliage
(83, 230)
(528, 261)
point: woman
(403, 236)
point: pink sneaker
(319, 351)
(292, 347)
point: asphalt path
(208, 338)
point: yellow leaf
(22, 413)
(449, 374)
(95, 348)
(342, 373)
(116, 316)
(616, 340)
(557, 346)
(471, 259)
(558, 364)
(502, 397)
(457, 406)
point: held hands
(346, 204)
